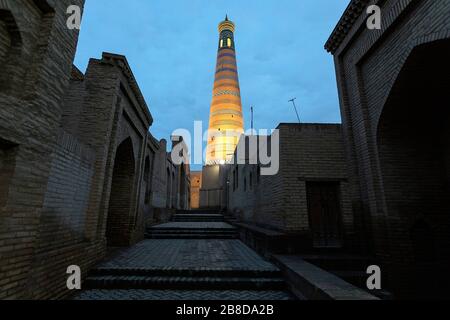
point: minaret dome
(226, 25)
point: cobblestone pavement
(188, 254)
(182, 295)
(186, 269)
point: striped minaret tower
(226, 122)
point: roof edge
(126, 69)
(343, 27)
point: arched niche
(118, 228)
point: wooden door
(324, 214)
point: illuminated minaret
(226, 122)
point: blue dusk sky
(171, 46)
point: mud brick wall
(308, 152)
(63, 215)
(396, 194)
(35, 75)
(312, 153)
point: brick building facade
(393, 87)
(79, 170)
(307, 203)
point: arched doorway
(10, 48)
(119, 223)
(414, 152)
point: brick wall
(308, 152)
(62, 224)
(104, 108)
(68, 142)
(152, 147)
(394, 154)
(167, 186)
(312, 153)
(92, 111)
(159, 181)
(35, 75)
(63, 215)
(23, 51)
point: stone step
(184, 219)
(193, 220)
(185, 283)
(199, 225)
(191, 272)
(193, 230)
(191, 235)
(197, 218)
(195, 215)
(182, 295)
(199, 212)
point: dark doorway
(324, 214)
(414, 155)
(7, 166)
(10, 49)
(119, 222)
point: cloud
(172, 48)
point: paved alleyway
(190, 259)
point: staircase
(197, 218)
(177, 231)
(179, 279)
(199, 212)
(193, 225)
(187, 258)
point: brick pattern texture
(73, 153)
(308, 152)
(392, 92)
